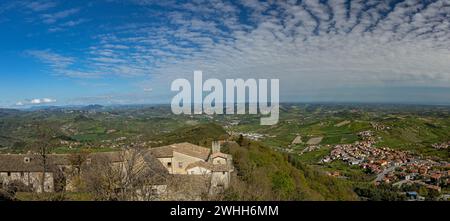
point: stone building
(194, 160)
(159, 167)
(60, 171)
(31, 170)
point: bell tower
(215, 147)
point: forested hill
(263, 174)
(201, 134)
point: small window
(169, 164)
(21, 174)
(26, 160)
(180, 164)
(9, 173)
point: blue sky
(129, 51)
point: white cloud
(53, 59)
(309, 46)
(54, 17)
(42, 101)
(38, 6)
(36, 101)
(27, 5)
(61, 64)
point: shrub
(18, 186)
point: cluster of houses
(364, 154)
(439, 146)
(393, 166)
(251, 136)
(379, 126)
(367, 136)
(431, 174)
(183, 160)
(310, 149)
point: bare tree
(144, 176)
(44, 143)
(133, 178)
(100, 178)
(77, 159)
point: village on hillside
(391, 166)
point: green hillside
(201, 134)
(264, 174)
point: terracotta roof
(210, 166)
(183, 148)
(154, 164)
(192, 150)
(29, 162)
(155, 169)
(33, 162)
(113, 157)
(162, 152)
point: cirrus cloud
(310, 45)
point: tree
(133, 178)
(100, 178)
(240, 140)
(6, 196)
(45, 141)
(77, 159)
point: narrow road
(381, 175)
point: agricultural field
(304, 136)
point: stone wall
(31, 179)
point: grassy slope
(267, 175)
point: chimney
(215, 147)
